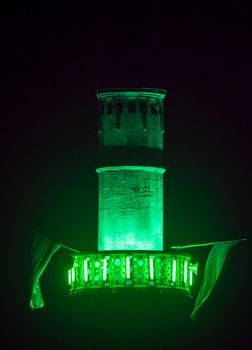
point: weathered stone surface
(130, 208)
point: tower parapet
(131, 117)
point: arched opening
(109, 107)
(153, 110)
(131, 107)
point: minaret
(130, 234)
(131, 173)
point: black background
(54, 58)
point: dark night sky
(54, 58)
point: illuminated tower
(131, 195)
(130, 234)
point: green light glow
(151, 268)
(113, 270)
(131, 167)
(85, 270)
(185, 271)
(191, 278)
(128, 267)
(69, 277)
(130, 208)
(130, 233)
(104, 269)
(174, 268)
(131, 93)
(73, 274)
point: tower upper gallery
(131, 117)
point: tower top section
(131, 117)
(131, 93)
